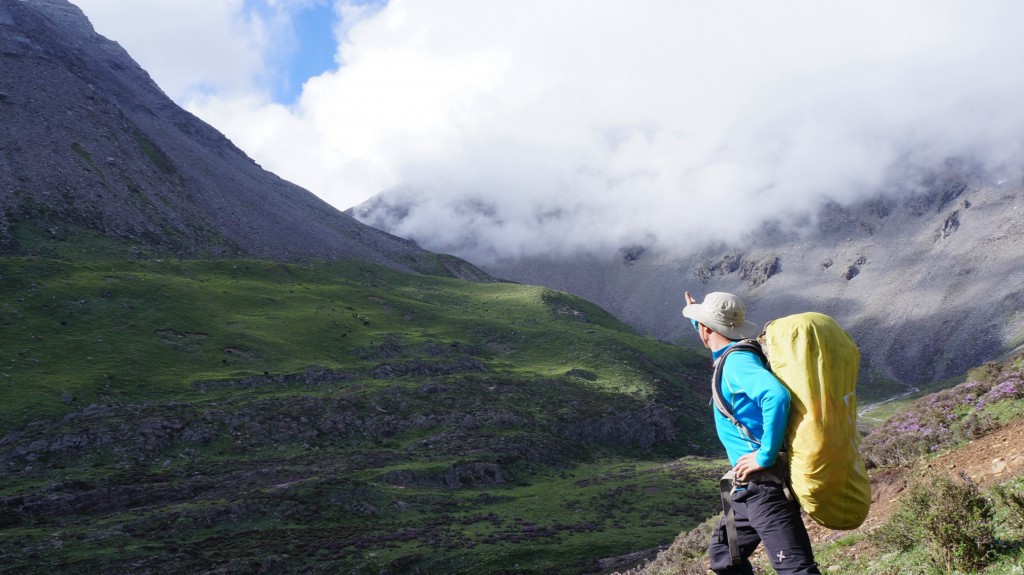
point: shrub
(1017, 363)
(1010, 387)
(892, 450)
(1012, 500)
(974, 426)
(942, 419)
(948, 519)
(985, 373)
(686, 556)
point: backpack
(818, 362)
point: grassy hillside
(166, 416)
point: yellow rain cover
(818, 362)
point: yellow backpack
(818, 362)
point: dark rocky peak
(91, 143)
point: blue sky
(523, 127)
(195, 47)
(313, 54)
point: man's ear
(704, 332)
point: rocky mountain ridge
(929, 283)
(91, 143)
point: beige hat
(723, 313)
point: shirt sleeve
(748, 375)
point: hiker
(757, 503)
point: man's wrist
(764, 459)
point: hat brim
(695, 311)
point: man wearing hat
(758, 506)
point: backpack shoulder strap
(716, 383)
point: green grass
(153, 329)
(154, 154)
(243, 415)
(237, 414)
(82, 153)
(559, 522)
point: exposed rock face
(929, 284)
(950, 224)
(756, 272)
(453, 417)
(642, 428)
(91, 142)
(725, 265)
(459, 476)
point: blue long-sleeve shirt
(759, 401)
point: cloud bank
(501, 129)
(190, 47)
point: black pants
(764, 514)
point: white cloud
(189, 47)
(534, 126)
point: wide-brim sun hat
(723, 313)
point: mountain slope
(241, 415)
(174, 405)
(928, 283)
(967, 434)
(91, 143)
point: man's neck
(717, 341)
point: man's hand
(689, 299)
(745, 466)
